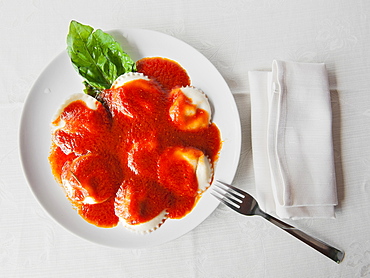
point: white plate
(59, 80)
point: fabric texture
(292, 140)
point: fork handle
(329, 251)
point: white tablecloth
(236, 36)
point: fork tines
(227, 194)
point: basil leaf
(89, 90)
(96, 56)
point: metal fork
(244, 203)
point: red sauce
(168, 73)
(121, 154)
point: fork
(244, 203)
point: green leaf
(89, 90)
(96, 56)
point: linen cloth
(292, 140)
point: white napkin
(292, 140)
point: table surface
(236, 36)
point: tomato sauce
(168, 73)
(121, 154)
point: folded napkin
(292, 140)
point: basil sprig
(96, 56)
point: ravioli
(190, 109)
(141, 153)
